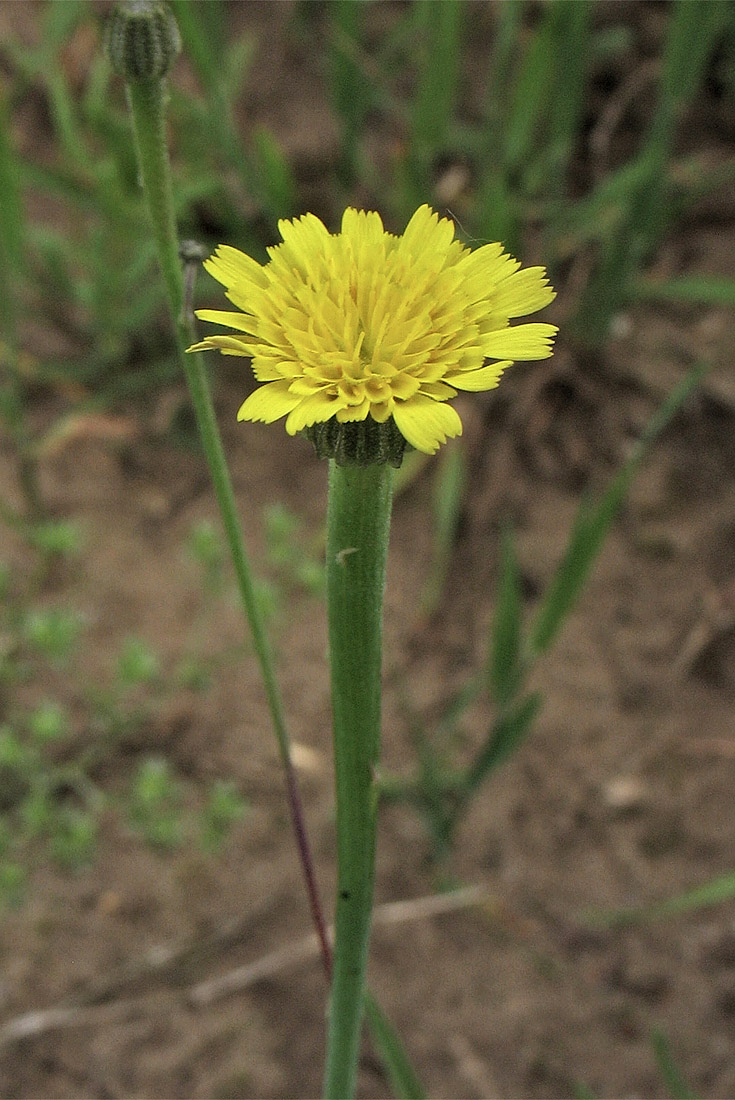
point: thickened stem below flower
(358, 521)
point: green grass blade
(237, 63)
(275, 173)
(704, 290)
(448, 500)
(12, 221)
(67, 125)
(676, 1086)
(195, 24)
(59, 23)
(505, 647)
(497, 217)
(713, 892)
(509, 16)
(403, 1079)
(201, 43)
(694, 30)
(593, 524)
(531, 95)
(598, 215)
(507, 734)
(570, 24)
(458, 705)
(347, 82)
(439, 32)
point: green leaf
(505, 673)
(224, 806)
(349, 89)
(137, 663)
(507, 734)
(53, 632)
(713, 892)
(570, 20)
(275, 172)
(594, 521)
(12, 219)
(676, 1086)
(439, 39)
(702, 290)
(448, 500)
(401, 1074)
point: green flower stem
(148, 108)
(358, 522)
(147, 102)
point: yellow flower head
(364, 324)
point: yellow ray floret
(363, 323)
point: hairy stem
(358, 522)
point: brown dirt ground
(622, 796)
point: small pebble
(624, 793)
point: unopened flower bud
(142, 39)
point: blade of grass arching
(401, 1075)
(602, 213)
(676, 1086)
(428, 792)
(275, 173)
(347, 83)
(12, 221)
(69, 132)
(694, 31)
(531, 95)
(713, 892)
(202, 37)
(496, 215)
(57, 180)
(505, 672)
(700, 290)
(59, 23)
(437, 39)
(237, 61)
(509, 19)
(193, 22)
(458, 704)
(95, 103)
(448, 499)
(438, 29)
(593, 524)
(506, 735)
(570, 21)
